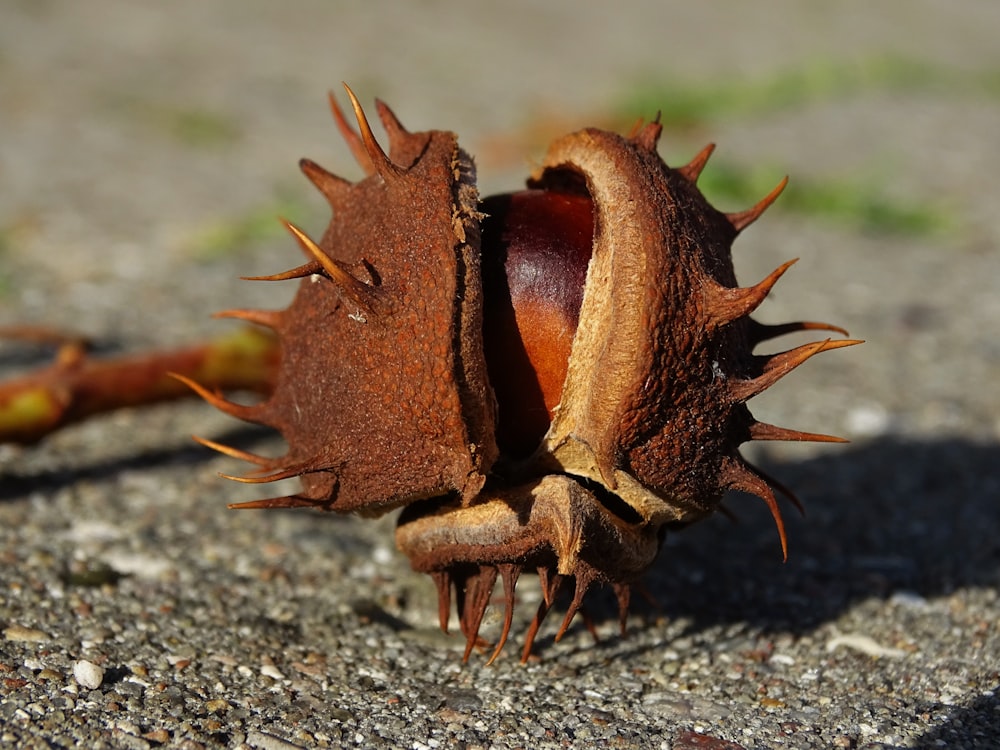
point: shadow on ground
(888, 516)
(16, 484)
(972, 726)
(891, 515)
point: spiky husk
(384, 399)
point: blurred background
(146, 151)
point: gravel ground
(138, 143)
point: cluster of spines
(474, 589)
(365, 296)
(727, 305)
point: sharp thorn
(475, 606)
(288, 501)
(623, 593)
(777, 366)
(509, 574)
(536, 623)
(267, 318)
(300, 272)
(743, 219)
(726, 304)
(649, 134)
(779, 522)
(550, 584)
(782, 488)
(583, 580)
(289, 473)
(764, 431)
(382, 164)
(247, 413)
(393, 127)
(693, 169)
(350, 136)
(571, 611)
(232, 452)
(741, 476)
(354, 289)
(332, 187)
(760, 332)
(442, 580)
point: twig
(76, 386)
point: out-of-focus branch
(76, 386)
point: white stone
(88, 674)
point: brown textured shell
(384, 399)
(382, 393)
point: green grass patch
(686, 104)
(859, 204)
(190, 126)
(201, 128)
(233, 235)
(862, 203)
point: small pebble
(909, 600)
(88, 674)
(269, 670)
(265, 741)
(865, 644)
(783, 659)
(21, 633)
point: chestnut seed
(536, 247)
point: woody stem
(75, 386)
